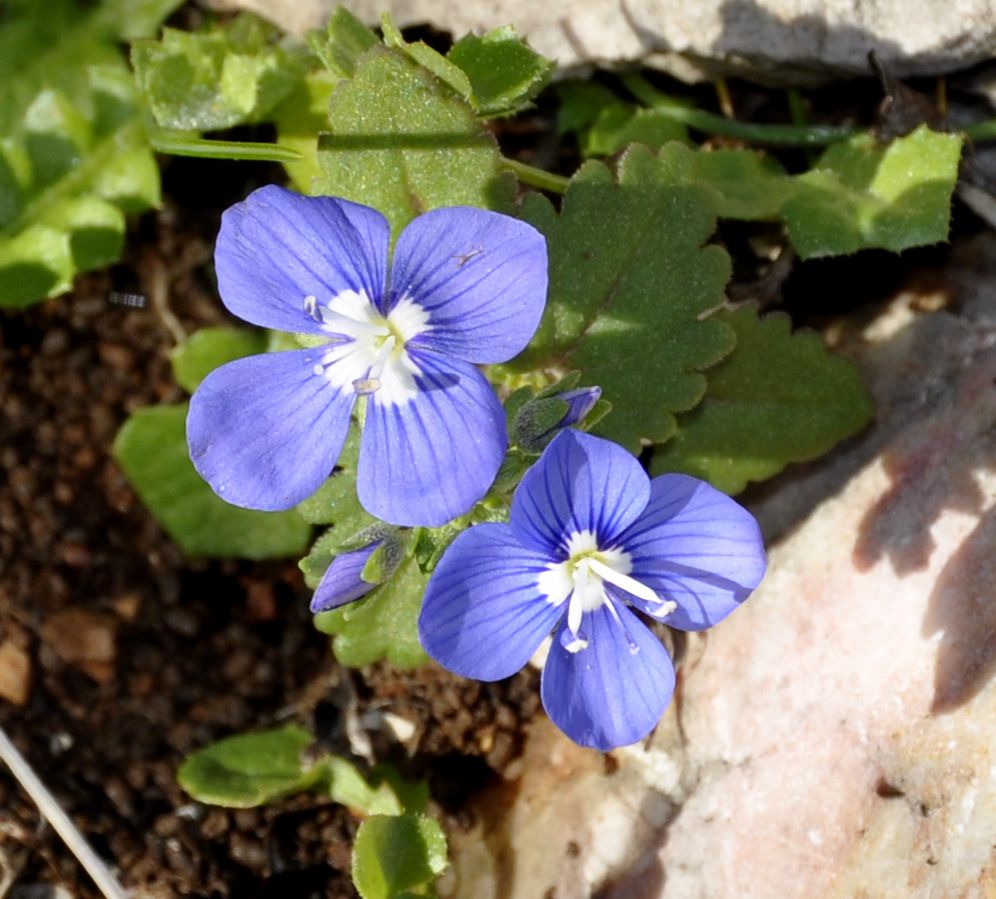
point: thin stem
(61, 824)
(710, 123)
(535, 177)
(980, 131)
(177, 143)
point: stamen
(576, 645)
(353, 327)
(631, 585)
(311, 307)
(371, 383)
(576, 608)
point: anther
(311, 307)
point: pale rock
(836, 736)
(781, 41)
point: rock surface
(834, 737)
(783, 41)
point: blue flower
(591, 538)
(342, 582)
(465, 287)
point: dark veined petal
(277, 247)
(580, 483)
(265, 431)
(613, 692)
(696, 546)
(428, 460)
(483, 616)
(480, 275)
(341, 582)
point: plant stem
(710, 123)
(178, 143)
(980, 132)
(535, 177)
(61, 824)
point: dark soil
(136, 655)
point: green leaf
(630, 283)
(394, 854)
(151, 448)
(74, 156)
(864, 194)
(426, 57)
(621, 124)
(745, 184)
(382, 625)
(581, 102)
(778, 398)
(385, 792)
(247, 770)
(335, 502)
(207, 349)
(342, 44)
(503, 73)
(216, 79)
(404, 143)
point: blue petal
(580, 483)
(613, 692)
(482, 277)
(696, 546)
(265, 431)
(429, 460)
(341, 582)
(482, 616)
(276, 248)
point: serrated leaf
(395, 854)
(208, 348)
(251, 769)
(342, 43)
(403, 143)
(151, 448)
(382, 625)
(425, 56)
(630, 282)
(778, 398)
(73, 153)
(864, 194)
(503, 73)
(216, 79)
(746, 184)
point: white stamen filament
(371, 382)
(576, 606)
(631, 585)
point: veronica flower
(465, 287)
(591, 541)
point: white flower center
(367, 350)
(582, 577)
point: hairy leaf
(402, 142)
(251, 769)
(630, 283)
(382, 625)
(778, 398)
(504, 74)
(342, 44)
(864, 194)
(151, 448)
(395, 854)
(745, 184)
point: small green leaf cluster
(399, 849)
(74, 157)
